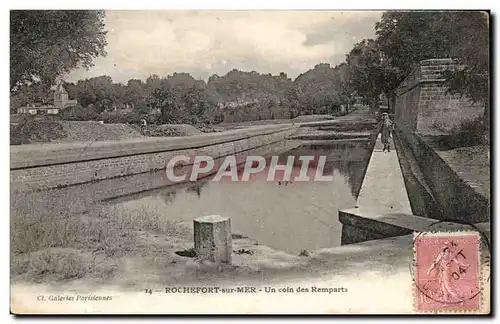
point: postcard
(249, 162)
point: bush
(89, 113)
(168, 130)
(127, 117)
(470, 132)
(470, 126)
(59, 264)
(119, 117)
(30, 130)
(79, 113)
(438, 125)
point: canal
(293, 217)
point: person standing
(386, 131)
(144, 125)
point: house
(61, 98)
(61, 101)
(34, 109)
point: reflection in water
(197, 186)
(354, 173)
(293, 217)
(168, 196)
(349, 161)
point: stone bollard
(212, 238)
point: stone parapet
(36, 167)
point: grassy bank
(112, 245)
(52, 245)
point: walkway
(383, 187)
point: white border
(193, 4)
(256, 4)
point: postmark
(447, 272)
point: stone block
(212, 238)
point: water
(292, 218)
(298, 216)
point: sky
(203, 43)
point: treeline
(377, 66)
(374, 67)
(180, 98)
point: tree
(45, 44)
(71, 89)
(135, 92)
(152, 82)
(182, 99)
(100, 92)
(406, 38)
(471, 52)
(346, 94)
(292, 100)
(370, 73)
(35, 92)
(167, 99)
(319, 87)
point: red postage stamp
(447, 272)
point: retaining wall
(424, 107)
(436, 192)
(39, 167)
(447, 193)
(423, 104)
